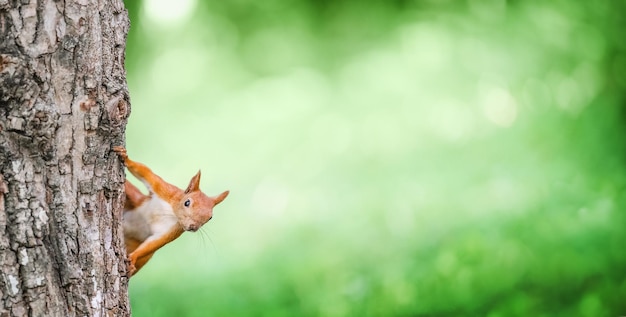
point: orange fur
(134, 197)
(150, 222)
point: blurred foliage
(386, 158)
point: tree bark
(63, 104)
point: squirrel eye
(187, 203)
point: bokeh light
(386, 158)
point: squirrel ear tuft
(194, 184)
(221, 197)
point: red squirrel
(154, 220)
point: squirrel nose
(192, 227)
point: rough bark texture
(63, 104)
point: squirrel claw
(131, 268)
(121, 151)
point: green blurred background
(386, 158)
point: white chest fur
(152, 218)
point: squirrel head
(195, 208)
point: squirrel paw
(121, 151)
(131, 268)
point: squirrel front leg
(143, 173)
(144, 252)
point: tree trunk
(63, 104)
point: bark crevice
(63, 104)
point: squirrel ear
(221, 197)
(194, 184)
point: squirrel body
(154, 220)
